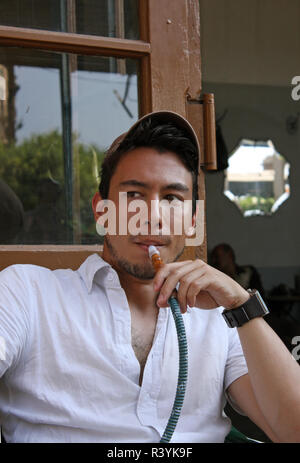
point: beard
(141, 271)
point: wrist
(239, 300)
(253, 307)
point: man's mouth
(144, 244)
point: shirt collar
(90, 267)
(93, 264)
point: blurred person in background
(223, 258)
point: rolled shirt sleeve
(236, 365)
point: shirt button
(110, 277)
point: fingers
(167, 270)
(189, 275)
(200, 286)
(168, 278)
(190, 285)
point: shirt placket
(147, 402)
(127, 361)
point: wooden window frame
(167, 81)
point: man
(92, 355)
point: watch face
(262, 302)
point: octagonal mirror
(257, 178)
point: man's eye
(172, 198)
(133, 194)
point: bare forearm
(275, 378)
(274, 374)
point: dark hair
(162, 137)
(226, 248)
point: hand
(201, 286)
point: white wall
(250, 52)
(250, 41)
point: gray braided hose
(183, 371)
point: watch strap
(252, 308)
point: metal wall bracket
(207, 100)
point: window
(61, 113)
(72, 82)
(108, 18)
(257, 178)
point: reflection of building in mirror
(257, 178)
(51, 159)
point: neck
(140, 292)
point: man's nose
(154, 221)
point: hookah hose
(183, 354)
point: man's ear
(95, 201)
(192, 229)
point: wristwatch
(252, 308)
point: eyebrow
(171, 186)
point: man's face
(145, 175)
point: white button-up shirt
(69, 373)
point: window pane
(109, 18)
(58, 114)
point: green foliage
(25, 166)
(249, 203)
